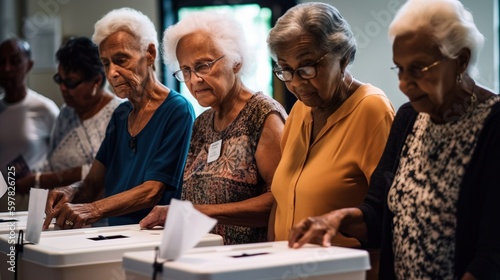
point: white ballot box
(262, 261)
(82, 254)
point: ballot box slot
(244, 255)
(108, 237)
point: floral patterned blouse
(233, 176)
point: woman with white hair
(140, 162)
(235, 145)
(432, 204)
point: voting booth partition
(81, 254)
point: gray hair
(129, 20)
(323, 22)
(448, 21)
(226, 32)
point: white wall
(369, 20)
(77, 19)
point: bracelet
(37, 180)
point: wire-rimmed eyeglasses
(304, 72)
(415, 71)
(200, 70)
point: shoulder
(262, 104)
(372, 98)
(37, 100)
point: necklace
(133, 141)
(473, 100)
(334, 107)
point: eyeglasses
(67, 82)
(200, 70)
(415, 71)
(305, 72)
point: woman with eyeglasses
(140, 161)
(432, 205)
(81, 124)
(234, 149)
(338, 127)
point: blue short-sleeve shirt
(158, 153)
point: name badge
(214, 151)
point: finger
(298, 231)
(147, 222)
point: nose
(197, 77)
(112, 71)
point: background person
(336, 130)
(81, 124)
(140, 162)
(26, 118)
(234, 149)
(432, 202)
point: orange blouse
(334, 171)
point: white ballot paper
(184, 228)
(3, 185)
(36, 213)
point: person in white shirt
(26, 117)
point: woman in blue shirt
(141, 160)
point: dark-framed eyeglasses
(305, 72)
(200, 70)
(415, 71)
(68, 83)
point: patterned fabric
(74, 143)
(234, 175)
(424, 193)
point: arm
(82, 191)
(322, 229)
(254, 212)
(142, 196)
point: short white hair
(226, 32)
(448, 21)
(129, 20)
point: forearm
(253, 212)
(140, 197)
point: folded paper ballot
(184, 228)
(36, 213)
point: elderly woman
(432, 204)
(235, 146)
(141, 159)
(81, 124)
(337, 129)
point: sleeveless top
(233, 176)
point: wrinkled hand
(318, 230)
(55, 200)
(156, 217)
(73, 216)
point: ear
(30, 65)
(237, 67)
(343, 64)
(151, 54)
(99, 81)
(463, 59)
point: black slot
(102, 237)
(248, 255)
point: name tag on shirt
(214, 151)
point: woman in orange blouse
(337, 129)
